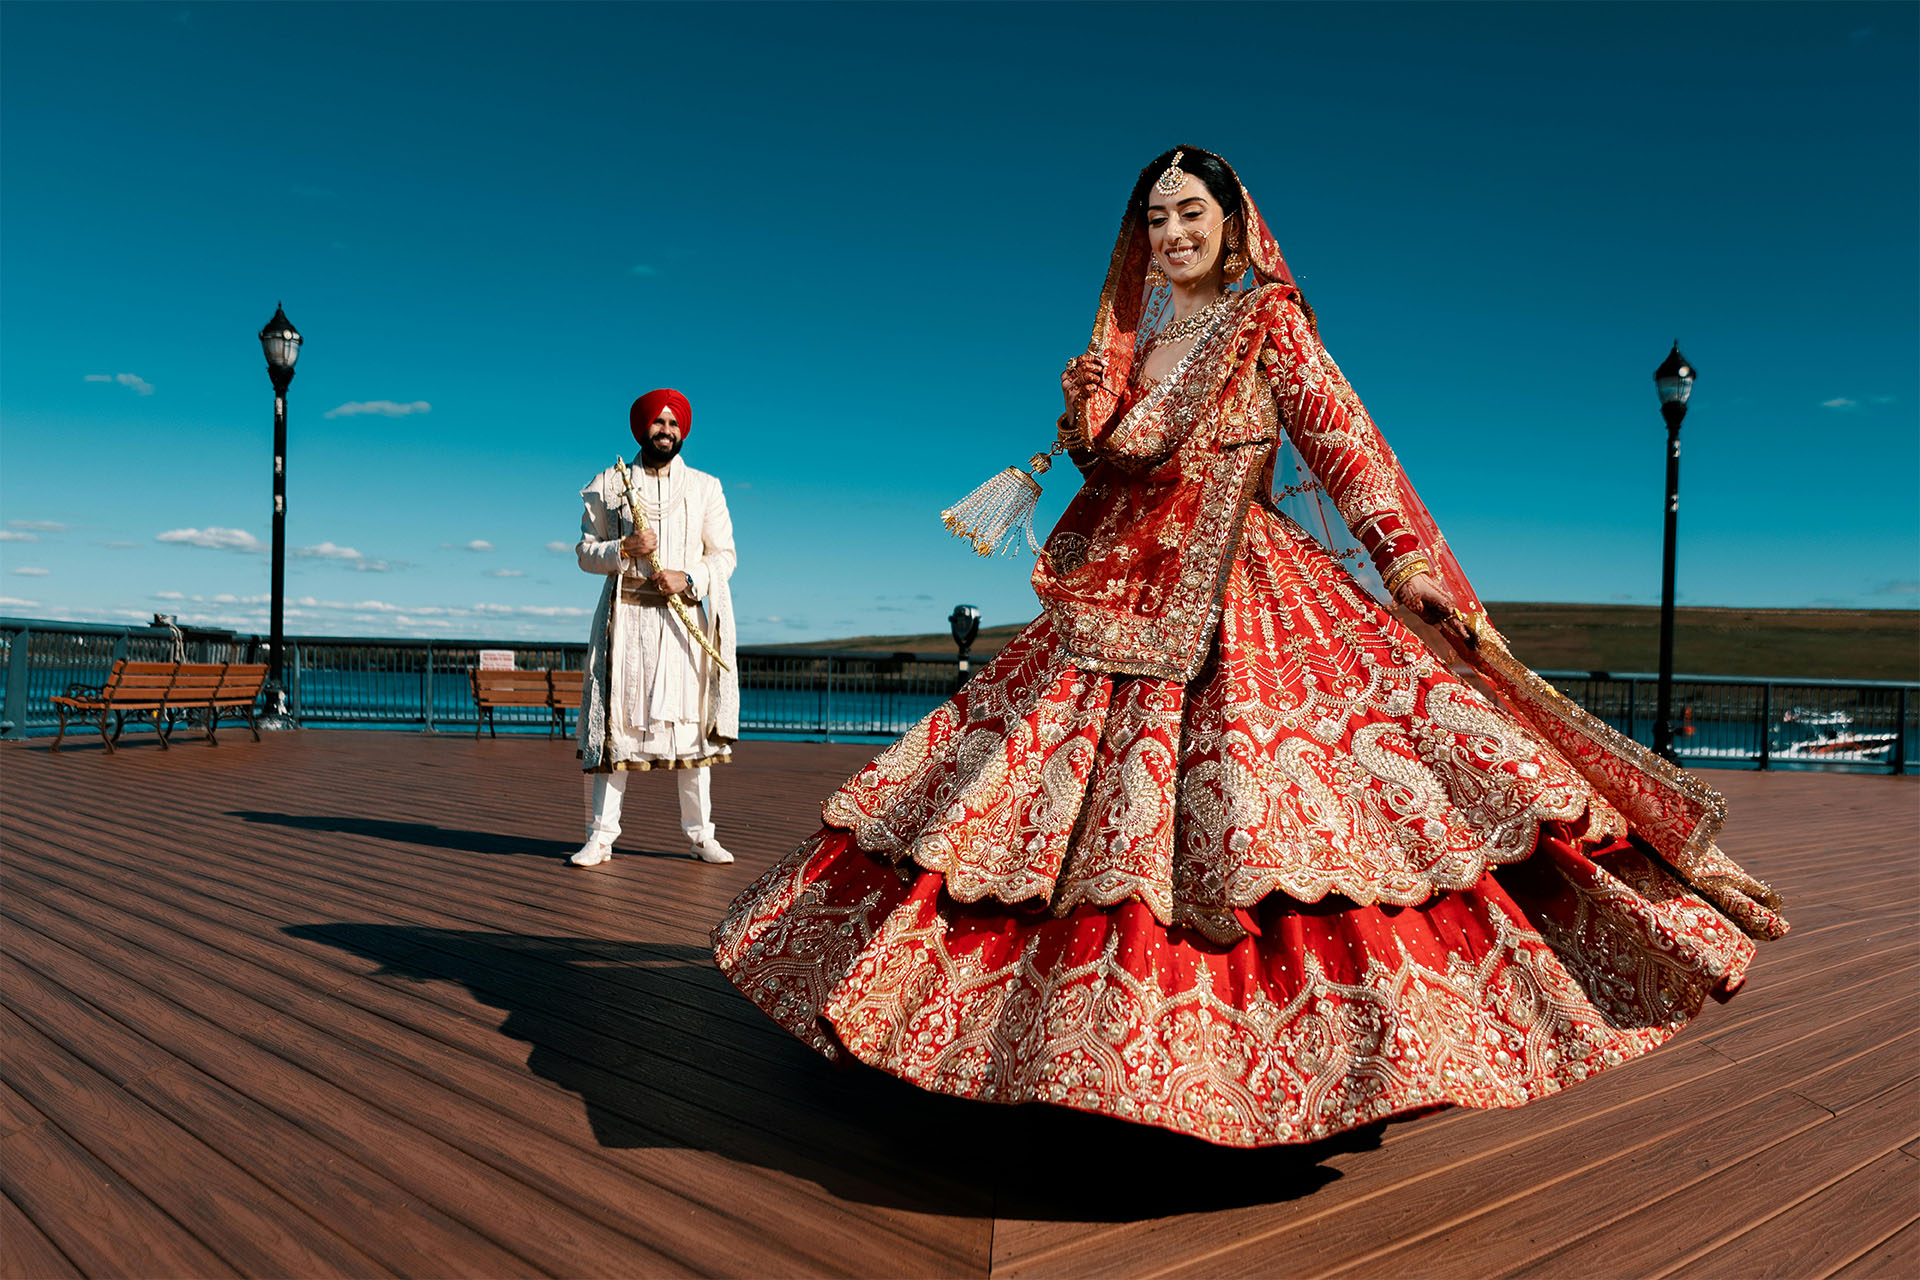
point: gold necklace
(1181, 330)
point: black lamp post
(281, 341)
(1674, 380)
(965, 622)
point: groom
(654, 698)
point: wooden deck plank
(1743, 1193)
(25, 1250)
(464, 1103)
(479, 895)
(1824, 1232)
(777, 1215)
(1702, 1114)
(1619, 1196)
(696, 1073)
(405, 1236)
(15, 1113)
(547, 1233)
(215, 1201)
(1566, 1123)
(1895, 1258)
(355, 966)
(804, 1223)
(92, 1216)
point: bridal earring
(1235, 264)
(1155, 276)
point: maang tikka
(1174, 178)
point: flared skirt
(1323, 884)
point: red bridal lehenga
(1216, 844)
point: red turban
(648, 407)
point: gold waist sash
(640, 591)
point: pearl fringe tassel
(993, 516)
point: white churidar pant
(607, 791)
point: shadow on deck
(333, 1004)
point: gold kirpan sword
(674, 602)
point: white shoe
(710, 850)
(591, 854)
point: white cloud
(326, 551)
(478, 544)
(15, 602)
(503, 573)
(349, 557)
(9, 535)
(38, 526)
(379, 408)
(1839, 402)
(215, 538)
(119, 546)
(31, 573)
(559, 547)
(169, 595)
(133, 380)
(531, 610)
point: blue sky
(864, 239)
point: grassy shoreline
(1833, 644)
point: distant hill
(1837, 644)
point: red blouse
(1135, 569)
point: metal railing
(1754, 722)
(1720, 721)
(361, 682)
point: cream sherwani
(654, 700)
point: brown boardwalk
(332, 1005)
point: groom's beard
(659, 449)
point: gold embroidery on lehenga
(1611, 973)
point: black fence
(342, 681)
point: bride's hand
(1081, 376)
(1423, 594)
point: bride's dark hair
(1220, 181)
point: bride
(1217, 844)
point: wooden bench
(131, 688)
(564, 695)
(558, 692)
(162, 691)
(216, 689)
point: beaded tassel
(991, 516)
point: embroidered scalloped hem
(1326, 1017)
(642, 766)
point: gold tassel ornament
(993, 516)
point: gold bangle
(1401, 574)
(1067, 431)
